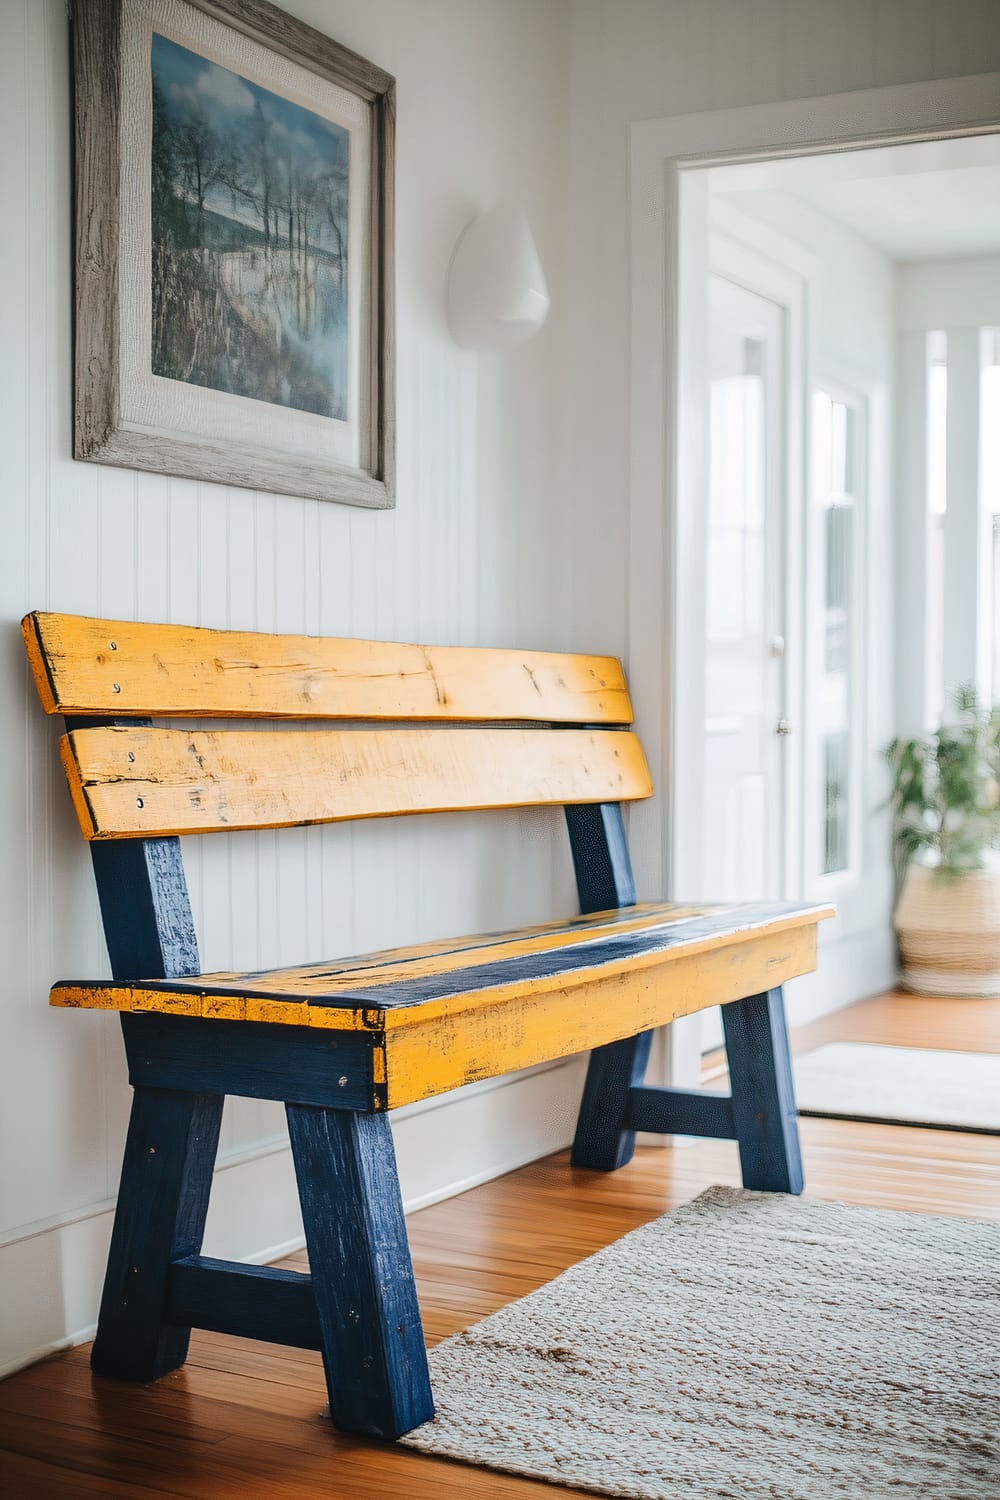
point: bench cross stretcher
(342, 1043)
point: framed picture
(234, 249)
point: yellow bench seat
(445, 1013)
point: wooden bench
(341, 1043)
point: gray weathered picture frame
(112, 253)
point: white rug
(748, 1346)
(863, 1081)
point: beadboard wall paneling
(474, 553)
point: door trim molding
(664, 156)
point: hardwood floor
(244, 1419)
(899, 1019)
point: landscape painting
(250, 267)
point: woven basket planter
(949, 932)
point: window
(737, 480)
(837, 485)
(937, 506)
(962, 582)
(989, 483)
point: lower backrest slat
(141, 782)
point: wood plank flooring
(245, 1419)
(899, 1019)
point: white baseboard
(443, 1147)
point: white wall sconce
(496, 286)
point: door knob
(782, 727)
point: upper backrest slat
(85, 666)
(134, 781)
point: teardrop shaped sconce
(496, 286)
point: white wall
(963, 292)
(475, 552)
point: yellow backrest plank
(133, 781)
(92, 666)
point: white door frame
(668, 254)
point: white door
(745, 728)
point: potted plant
(946, 831)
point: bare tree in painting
(201, 165)
(250, 254)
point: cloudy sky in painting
(194, 87)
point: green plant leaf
(945, 791)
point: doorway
(794, 812)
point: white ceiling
(923, 216)
(923, 201)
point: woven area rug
(747, 1345)
(901, 1086)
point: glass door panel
(836, 487)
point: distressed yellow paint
(726, 946)
(205, 1000)
(209, 1007)
(423, 1050)
(83, 665)
(433, 1055)
(224, 1007)
(127, 998)
(351, 975)
(133, 781)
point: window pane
(735, 505)
(937, 437)
(937, 504)
(840, 446)
(996, 609)
(838, 587)
(835, 484)
(989, 477)
(836, 775)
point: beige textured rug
(747, 1345)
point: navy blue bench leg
(162, 1202)
(763, 1097)
(604, 881)
(603, 1140)
(359, 1259)
(759, 1113)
